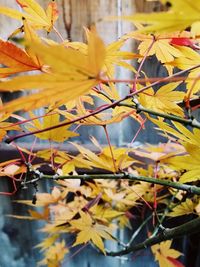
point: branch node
(55, 176)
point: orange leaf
(175, 262)
(15, 59)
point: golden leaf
(58, 135)
(34, 13)
(183, 208)
(164, 100)
(166, 255)
(90, 231)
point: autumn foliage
(96, 191)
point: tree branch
(190, 122)
(99, 110)
(190, 227)
(188, 188)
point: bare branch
(190, 227)
(185, 187)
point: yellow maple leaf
(188, 162)
(105, 213)
(183, 208)
(116, 57)
(45, 199)
(163, 100)
(181, 132)
(180, 16)
(90, 230)
(34, 215)
(189, 58)
(11, 168)
(165, 255)
(34, 13)
(103, 118)
(58, 135)
(162, 48)
(189, 165)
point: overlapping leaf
(162, 48)
(104, 159)
(114, 56)
(70, 74)
(68, 163)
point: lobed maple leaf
(116, 57)
(58, 135)
(90, 230)
(165, 255)
(163, 100)
(34, 13)
(31, 36)
(105, 214)
(118, 113)
(188, 165)
(47, 242)
(67, 163)
(45, 199)
(181, 132)
(183, 208)
(11, 168)
(162, 47)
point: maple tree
(95, 193)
